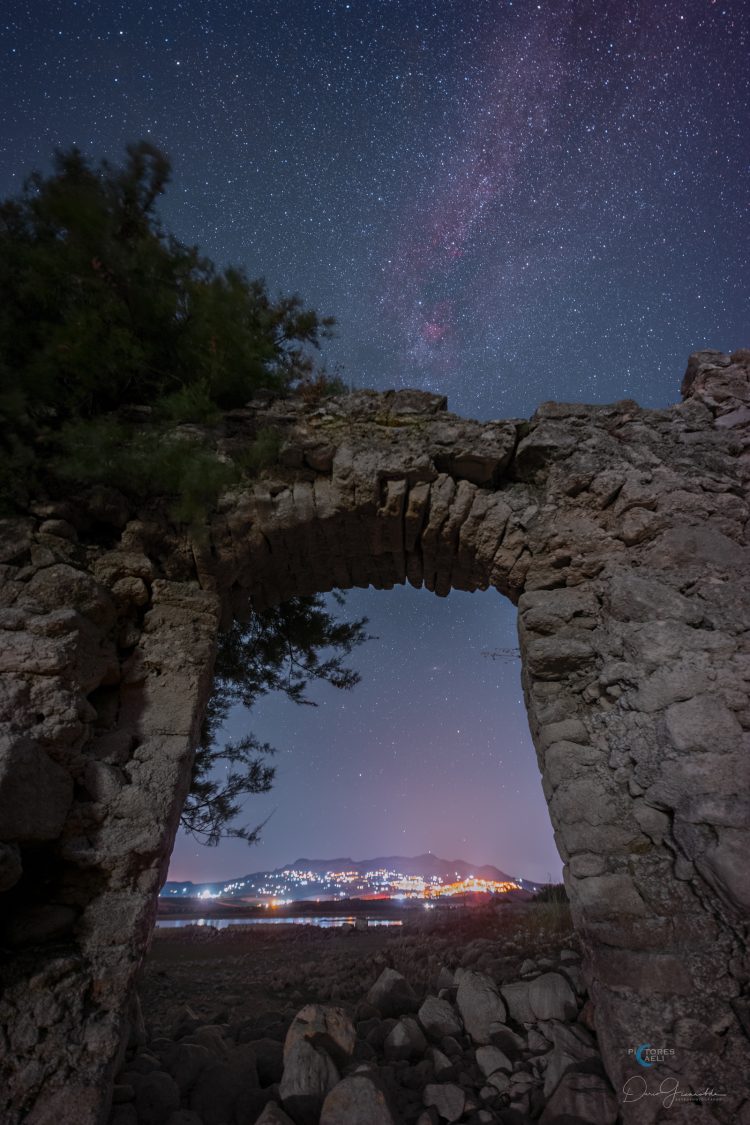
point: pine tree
(281, 649)
(101, 308)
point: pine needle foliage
(101, 309)
(285, 649)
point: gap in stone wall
(431, 751)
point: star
(504, 203)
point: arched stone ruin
(620, 532)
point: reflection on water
(222, 923)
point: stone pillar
(106, 675)
(636, 683)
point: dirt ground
(243, 972)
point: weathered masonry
(621, 534)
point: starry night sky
(503, 201)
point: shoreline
(406, 910)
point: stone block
(63, 585)
(690, 550)
(564, 761)
(647, 974)
(35, 792)
(635, 598)
(554, 658)
(608, 896)
(703, 723)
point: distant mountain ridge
(427, 865)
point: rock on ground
(584, 1097)
(438, 1018)
(326, 1027)
(552, 998)
(449, 1100)
(392, 994)
(356, 1100)
(480, 1005)
(273, 1114)
(309, 1075)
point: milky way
(504, 202)
(589, 159)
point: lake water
(222, 923)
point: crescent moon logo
(639, 1054)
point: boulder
(124, 1115)
(552, 998)
(405, 1040)
(365, 1011)
(156, 1097)
(438, 1018)
(187, 1062)
(480, 1005)
(441, 1064)
(445, 978)
(583, 1097)
(490, 1059)
(507, 1040)
(378, 1033)
(269, 1060)
(574, 974)
(572, 1046)
(416, 1076)
(273, 1114)
(392, 994)
(451, 1046)
(35, 792)
(702, 723)
(309, 1076)
(34, 924)
(326, 1027)
(212, 1037)
(428, 1117)
(516, 997)
(449, 1100)
(226, 1087)
(357, 1100)
(537, 1042)
(10, 866)
(182, 1020)
(499, 1082)
(63, 585)
(519, 1082)
(122, 1092)
(145, 1063)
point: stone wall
(621, 533)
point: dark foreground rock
(491, 1049)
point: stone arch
(620, 533)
